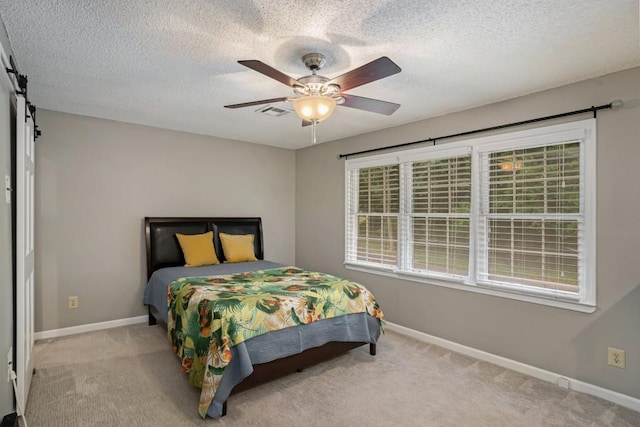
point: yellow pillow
(198, 249)
(238, 247)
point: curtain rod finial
(616, 104)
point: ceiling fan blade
(369, 104)
(306, 123)
(374, 70)
(263, 101)
(269, 71)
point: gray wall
(97, 179)
(6, 264)
(567, 342)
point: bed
(260, 358)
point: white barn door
(25, 173)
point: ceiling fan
(317, 96)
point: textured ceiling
(172, 64)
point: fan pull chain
(313, 130)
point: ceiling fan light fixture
(314, 108)
(317, 95)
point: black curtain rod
(612, 105)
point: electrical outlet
(73, 302)
(9, 364)
(616, 357)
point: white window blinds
(440, 199)
(532, 216)
(373, 215)
(513, 213)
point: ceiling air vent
(270, 110)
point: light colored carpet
(129, 377)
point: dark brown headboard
(163, 249)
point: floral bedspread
(209, 315)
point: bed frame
(163, 250)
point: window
(510, 215)
(440, 215)
(375, 223)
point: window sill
(515, 295)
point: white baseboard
(542, 374)
(54, 333)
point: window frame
(583, 131)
